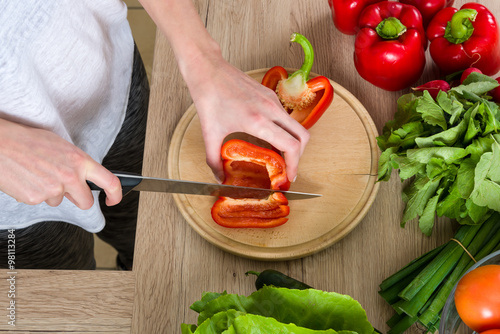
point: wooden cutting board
(340, 162)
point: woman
(73, 105)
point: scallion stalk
(431, 315)
(429, 279)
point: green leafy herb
(448, 150)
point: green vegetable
(311, 311)
(419, 291)
(449, 150)
(234, 322)
(277, 279)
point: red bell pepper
(305, 100)
(464, 38)
(390, 46)
(428, 8)
(345, 14)
(249, 165)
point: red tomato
(477, 298)
(491, 331)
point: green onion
(418, 291)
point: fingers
(291, 140)
(213, 146)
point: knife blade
(131, 182)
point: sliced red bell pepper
(464, 38)
(249, 165)
(345, 14)
(305, 100)
(390, 45)
(428, 8)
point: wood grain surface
(173, 263)
(340, 163)
(181, 264)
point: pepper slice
(305, 100)
(249, 165)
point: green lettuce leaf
(217, 324)
(431, 112)
(408, 168)
(205, 298)
(452, 205)
(255, 324)
(426, 221)
(445, 138)
(465, 177)
(476, 83)
(235, 322)
(386, 164)
(451, 106)
(478, 147)
(313, 309)
(417, 201)
(425, 154)
(487, 178)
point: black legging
(59, 245)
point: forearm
(179, 21)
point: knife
(132, 182)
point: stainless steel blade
(143, 183)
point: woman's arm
(226, 99)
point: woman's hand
(228, 101)
(38, 166)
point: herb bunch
(448, 149)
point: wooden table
(173, 264)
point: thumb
(107, 181)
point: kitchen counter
(173, 264)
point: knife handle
(128, 183)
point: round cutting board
(340, 162)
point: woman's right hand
(38, 166)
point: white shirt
(65, 66)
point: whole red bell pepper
(345, 14)
(428, 8)
(305, 100)
(248, 165)
(464, 38)
(390, 46)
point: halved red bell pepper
(428, 8)
(305, 100)
(345, 14)
(390, 45)
(249, 165)
(464, 38)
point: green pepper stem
(460, 28)
(251, 272)
(390, 28)
(308, 54)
